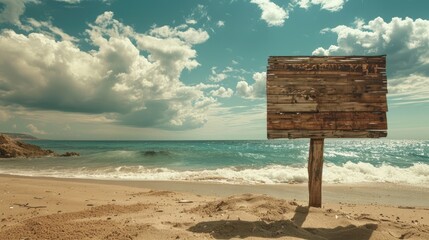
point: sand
(47, 208)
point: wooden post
(315, 167)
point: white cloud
(255, 90)
(132, 76)
(329, 5)
(69, 1)
(320, 51)
(220, 23)
(222, 92)
(191, 22)
(199, 15)
(359, 23)
(13, 9)
(227, 72)
(410, 89)
(190, 35)
(217, 76)
(404, 41)
(275, 15)
(48, 29)
(203, 86)
(272, 14)
(35, 130)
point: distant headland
(10, 147)
(20, 136)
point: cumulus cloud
(189, 35)
(227, 72)
(272, 14)
(48, 29)
(405, 41)
(329, 5)
(35, 130)
(191, 21)
(255, 90)
(220, 24)
(275, 15)
(218, 76)
(135, 77)
(222, 92)
(13, 9)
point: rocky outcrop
(11, 148)
(69, 154)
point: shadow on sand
(227, 229)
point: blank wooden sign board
(325, 97)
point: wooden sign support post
(325, 97)
(315, 169)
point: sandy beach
(47, 208)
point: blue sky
(112, 69)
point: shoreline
(359, 193)
(58, 208)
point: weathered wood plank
(321, 73)
(302, 107)
(326, 107)
(315, 169)
(370, 116)
(311, 98)
(322, 90)
(339, 125)
(317, 68)
(327, 59)
(291, 134)
(328, 121)
(319, 81)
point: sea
(236, 162)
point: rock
(11, 148)
(69, 154)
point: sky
(191, 70)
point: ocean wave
(332, 153)
(252, 155)
(349, 172)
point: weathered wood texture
(326, 97)
(315, 168)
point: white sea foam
(332, 153)
(417, 174)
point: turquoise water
(267, 161)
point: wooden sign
(326, 97)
